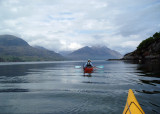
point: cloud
(68, 24)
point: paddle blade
(101, 66)
(77, 66)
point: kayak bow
(132, 106)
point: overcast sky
(71, 24)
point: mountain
(148, 49)
(65, 53)
(94, 53)
(13, 48)
(40, 47)
(9, 40)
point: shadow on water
(22, 69)
(13, 90)
(21, 73)
(149, 69)
(151, 82)
(149, 74)
(152, 71)
(148, 92)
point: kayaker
(88, 64)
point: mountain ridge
(10, 40)
(94, 52)
(14, 47)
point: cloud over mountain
(69, 24)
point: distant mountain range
(65, 53)
(13, 48)
(95, 52)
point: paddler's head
(89, 60)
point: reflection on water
(14, 90)
(148, 92)
(151, 82)
(151, 70)
(57, 87)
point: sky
(67, 25)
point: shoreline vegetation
(147, 51)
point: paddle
(100, 66)
(77, 66)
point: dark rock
(150, 51)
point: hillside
(148, 49)
(65, 53)
(94, 53)
(13, 48)
(9, 40)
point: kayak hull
(88, 69)
(132, 106)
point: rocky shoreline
(148, 50)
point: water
(59, 88)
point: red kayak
(88, 69)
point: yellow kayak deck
(132, 106)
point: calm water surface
(59, 88)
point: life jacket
(89, 64)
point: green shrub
(145, 43)
(156, 36)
